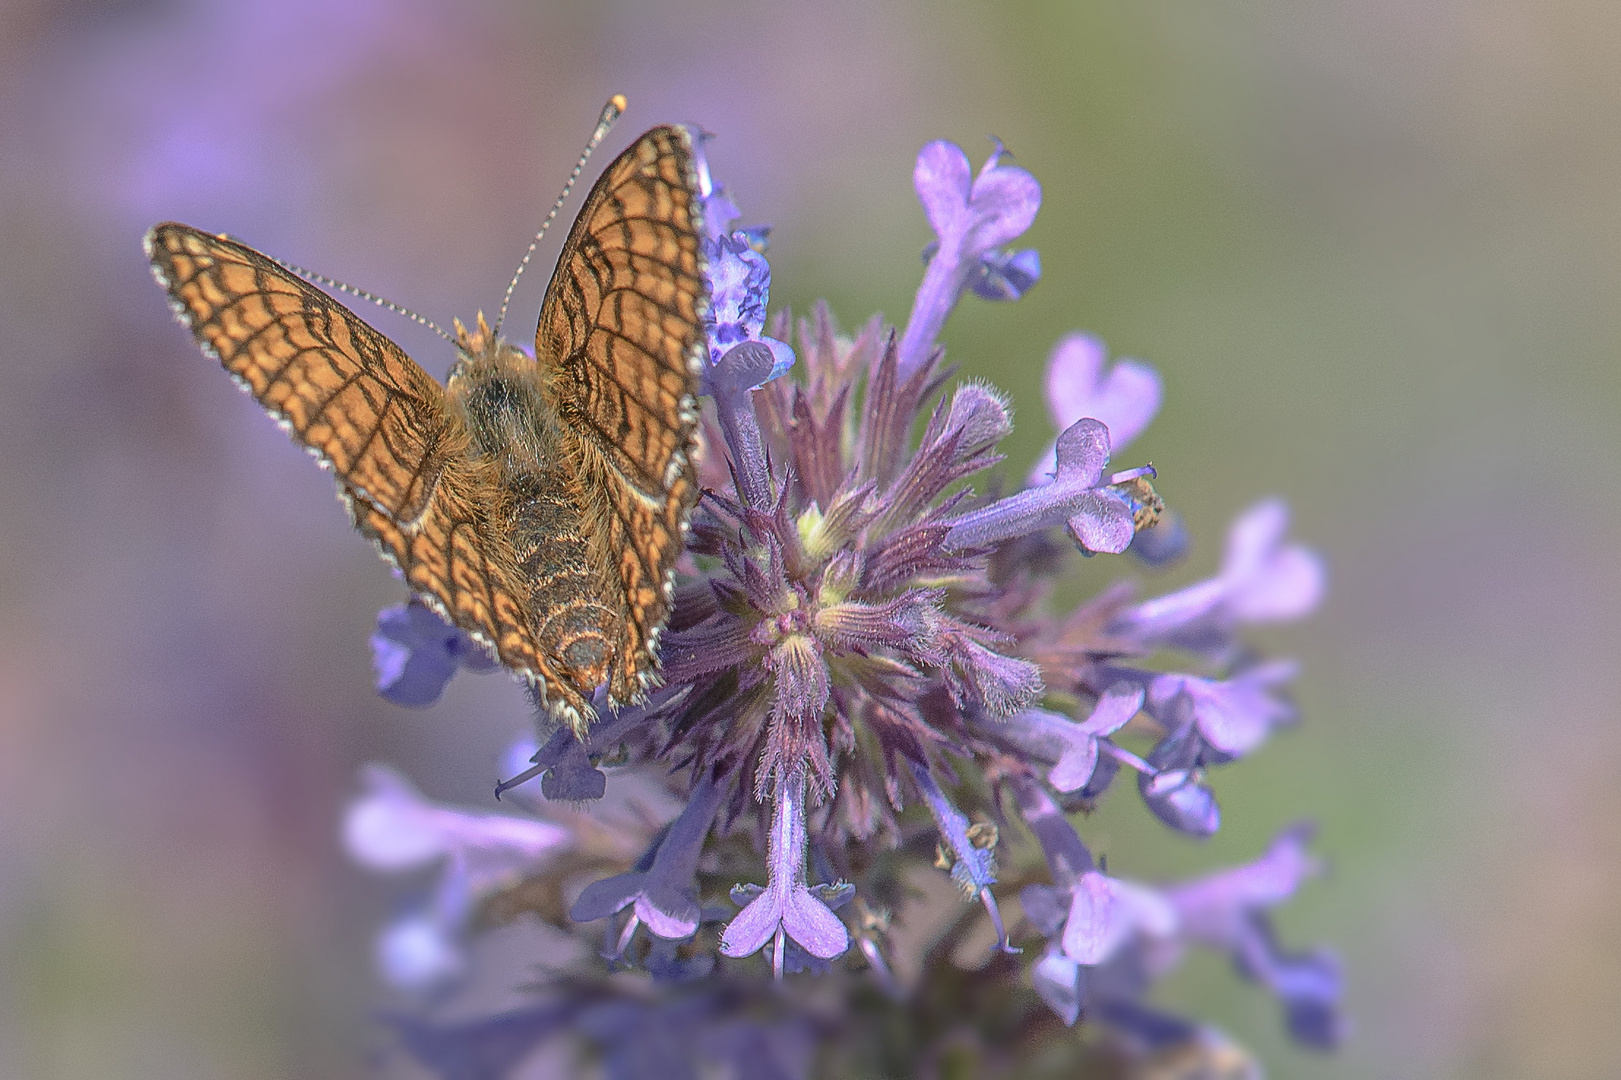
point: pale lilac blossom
(1125, 398)
(1262, 579)
(786, 907)
(972, 217)
(1072, 746)
(415, 653)
(1234, 715)
(392, 828)
(1099, 516)
(664, 896)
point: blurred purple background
(1374, 249)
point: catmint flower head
(866, 681)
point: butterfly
(537, 503)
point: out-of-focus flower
(390, 827)
(1234, 715)
(1262, 580)
(415, 652)
(1228, 911)
(1125, 399)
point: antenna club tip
(616, 105)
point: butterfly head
(476, 342)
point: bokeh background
(1374, 247)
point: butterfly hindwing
(622, 323)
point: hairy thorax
(506, 400)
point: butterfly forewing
(368, 412)
(546, 530)
(621, 322)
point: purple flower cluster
(866, 683)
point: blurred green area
(1374, 250)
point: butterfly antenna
(610, 112)
(338, 286)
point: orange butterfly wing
(368, 412)
(622, 324)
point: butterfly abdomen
(500, 394)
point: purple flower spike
(739, 277)
(1125, 399)
(415, 652)
(972, 218)
(1234, 716)
(1100, 518)
(664, 897)
(1073, 747)
(974, 867)
(786, 908)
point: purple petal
(1180, 798)
(1082, 453)
(1211, 907)
(755, 925)
(1234, 716)
(1268, 581)
(1254, 536)
(602, 898)
(1103, 523)
(1126, 399)
(812, 923)
(1061, 983)
(668, 912)
(1291, 587)
(1105, 913)
(414, 653)
(1075, 766)
(392, 827)
(1003, 205)
(1096, 925)
(1006, 275)
(942, 177)
(1067, 856)
(1119, 703)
